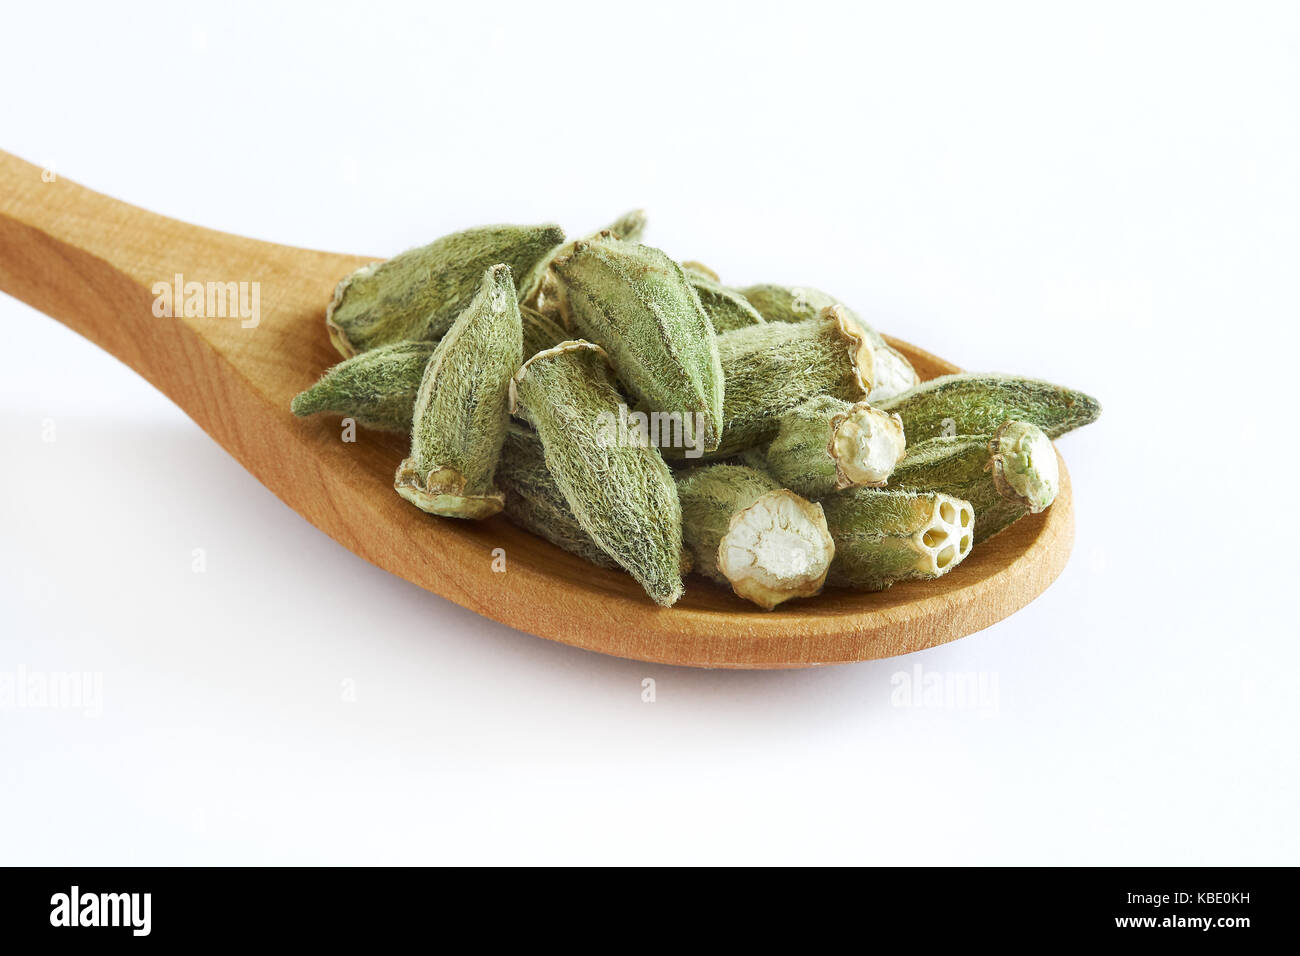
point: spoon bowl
(93, 263)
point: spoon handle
(96, 264)
(91, 261)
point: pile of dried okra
(639, 413)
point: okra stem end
(441, 492)
(338, 337)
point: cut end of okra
(1025, 468)
(860, 350)
(776, 549)
(893, 374)
(866, 444)
(339, 337)
(947, 536)
(441, 492)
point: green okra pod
(977, 404)
(698, 270)
(636, 304)
(541, 332)
(535, 502)
(540, 289)
(377, 388)
(1004, 476)
(461, 410)
(744, 530)
(774, 367)
(778, 303)
(727, 309)
(622, 495)
(418, 294)
(893, 372)
(883, 537)
(826, 444)
(630, 227)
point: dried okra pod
(377, 388)
(743, 529)
(418, 294)
(727, 309)
(541, 332)
(774, 367)
(778, 303)
(461, 410)
(629, 227)
(622, 495)
(883, 537)
(695, 269)
(969, 404)
(826, 444)
(534, 501)
(540, 291)
(635, 303)
(1004, 476)
(893, 372)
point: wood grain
(91, 262)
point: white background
(1105, 197)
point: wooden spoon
(91, 262)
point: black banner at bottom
(210, 905)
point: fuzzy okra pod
(377, 388)
(1005, 476)
(727, 309)
(774, 367)
(629, 227)
(418, 294)
(460, 416)
(744, 530)
(977, 404)
(893, 372)
(635, 303)
(826, 444)
(535, 502)
(778, 303)
(541, 332)
(883, 537)
(540, 289)
(622, 495)
(698, 270)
